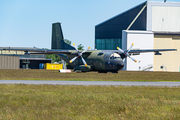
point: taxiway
(86, 83)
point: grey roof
(166, 33)
(161, 3)
(31, 48)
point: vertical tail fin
(58, 39)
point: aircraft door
(99, 62)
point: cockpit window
(115, 56)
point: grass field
(23, 74)
(19, 102)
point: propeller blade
(75, 47)
(124, 60)
(127, 53)
(79, 54)
(120, 49)
(132, 59)
(84, 61)
(86, 50)
(73, 59)
(130, 48)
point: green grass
(88, 76)
(19, 102)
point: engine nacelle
(82, 68)
(26, 53)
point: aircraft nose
(120, 65)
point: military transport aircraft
(102, 61)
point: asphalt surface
(86, 83)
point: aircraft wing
(151, 50)
(56, 51)
(42, 51)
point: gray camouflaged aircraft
(102, 61)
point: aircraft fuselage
(98, 61)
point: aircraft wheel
(78, 71)
(102, 71)
(115, 72)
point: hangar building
(150, 25)
(19, 60)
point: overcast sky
(28, 23)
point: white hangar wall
(141, 40)
(163, 16)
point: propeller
(127, 53)
(79, 54)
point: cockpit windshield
(115, 56)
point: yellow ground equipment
(49, 66)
